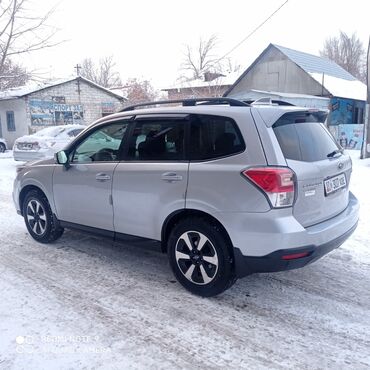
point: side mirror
(62, 158)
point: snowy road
(85, 303)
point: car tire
(200, 258)
(2, 148)
(38, 216)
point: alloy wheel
(36, 217)
(196, 257)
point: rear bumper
(261, 234)
(246, 265)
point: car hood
(38, 162)
(33, 138)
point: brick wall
(90, 97)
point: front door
(151, 182)
(82, 193)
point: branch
(5, 50)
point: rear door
(151, 182)
(323, 171)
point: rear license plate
(335, 183)
(25, 146)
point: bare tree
(201, 59)
(347, 51)
(139, 91)
(202, 70)
(103, 72)
(13, 75)
(21, 32)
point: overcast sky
(147, 38)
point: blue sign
(47, 113)
(348, 136)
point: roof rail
(191, 102)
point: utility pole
(77, 68)
(366, 144)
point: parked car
(227, 188)
(3, 145)
(44, 143)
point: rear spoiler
(271, 115)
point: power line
(255, 30)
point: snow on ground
(85, 303)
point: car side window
(214, 137)
(102, 145)
(75, 132)
(157, 139)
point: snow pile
(359, 243)
(351, 89)
(6, 154)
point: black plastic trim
(104, 233)
(190, 103)
(88, 229)
(273, 262)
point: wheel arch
(25, 191)
(176, 216)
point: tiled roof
(315, 64)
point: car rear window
(51, 131)
(302, 137)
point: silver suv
(227, 188)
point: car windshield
(50, 131)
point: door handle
(171, 176)
(102, 177)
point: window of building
(10, 120)
(74, 133)
(358, 115)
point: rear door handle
(102, 177)
(171, 176)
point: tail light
(276, 182)
(295, 256)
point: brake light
(295, 256)
(276, 182)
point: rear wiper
(334, 152)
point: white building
(26, 109)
